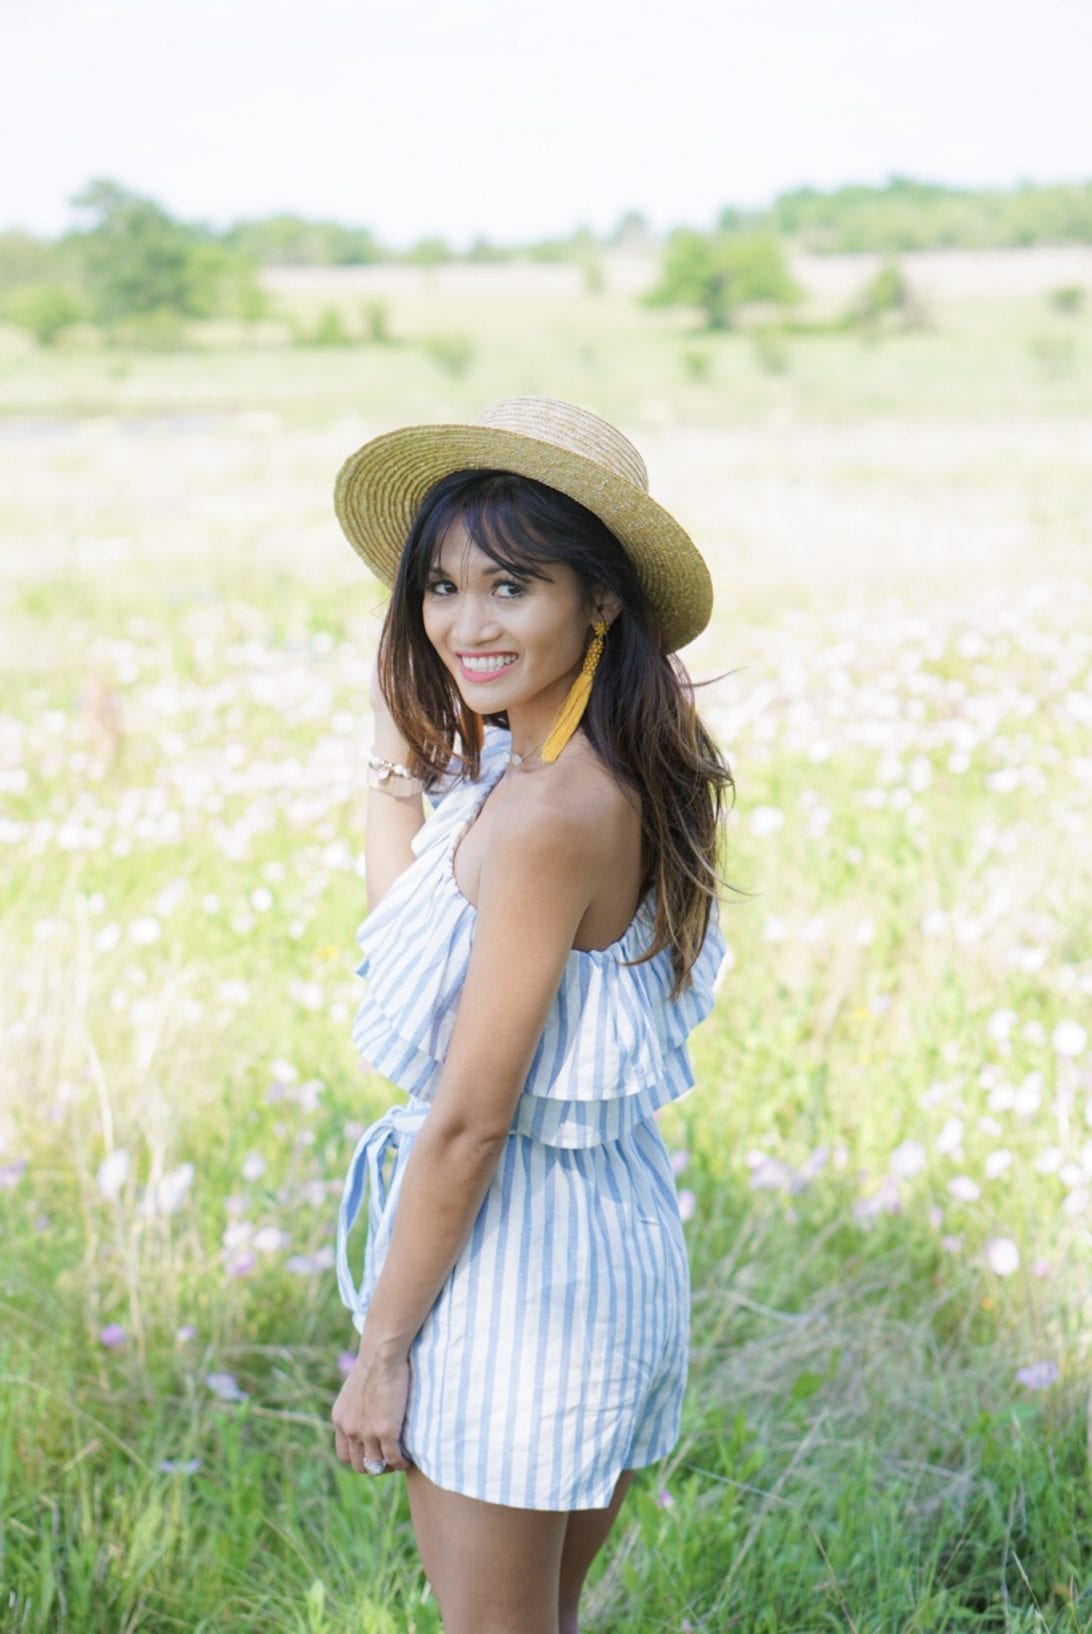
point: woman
(536, 954)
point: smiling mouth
(482, 668)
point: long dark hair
(641, 719)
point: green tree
(429, 252)
(886, 298)
(293, 241)
(484, 251)
(136, 260)
(43, 309)
(579, 245)
(631, 233)
(24, 259)
(721, 272)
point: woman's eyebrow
(487, 572)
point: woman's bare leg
(585, 1535)
(493, 1569)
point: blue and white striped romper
(555, 1354)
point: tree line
(138, 273)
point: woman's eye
(441, 586)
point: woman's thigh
(494, 1569)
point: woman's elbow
(474, 1136)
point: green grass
(900, 548)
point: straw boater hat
(380, 488)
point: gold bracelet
(392, 777)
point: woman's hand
(369, 1412)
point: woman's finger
(365, 1452)
(392, 1452)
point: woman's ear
(605, 604)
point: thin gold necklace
(517, 760)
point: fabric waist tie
(367, 1164)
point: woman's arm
(535, 887)
(392, 820)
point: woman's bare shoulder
(580, 798)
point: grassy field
(887, 1163)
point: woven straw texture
(380, 488)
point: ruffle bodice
(614, 1046)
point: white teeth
(487, 663)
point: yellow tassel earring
(576, 700)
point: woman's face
(508, 641)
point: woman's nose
(475, 622)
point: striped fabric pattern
(555, 1354)
(614, 1048)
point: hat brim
(379, 490)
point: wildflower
(1001, 1024)
(170, 896)
(766, 819)
(768, 1173)
(908, 1158)
(112, 1335)
(1038, 1375)
(884, 1200)
(225, 1386)
(811, 1166)
(664, 1500)
(1026, 1101)
(179, 1466)
(168, 1194)
(111, 1174)
(309, 1265)
(1002, 1256)
(950, 1135)
(1001, 1097)
(679, 1160)
(253, 1166)
(687, 1204)
(1069, 1038)
(963, 1187)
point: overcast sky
(522, 118)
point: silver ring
(374, 1466)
